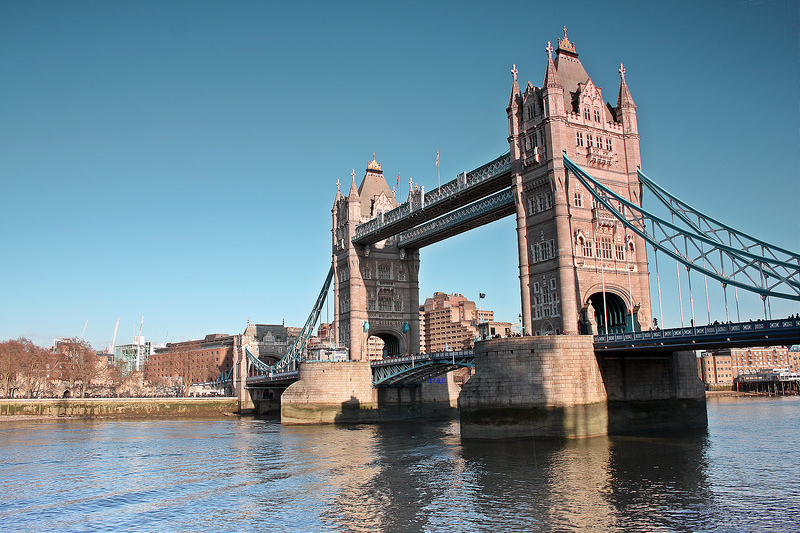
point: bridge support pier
(330, 392)
(556, 387)
(534, 387)
(342, 393)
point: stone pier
(342, 392)
(555, 386)
(534, 386)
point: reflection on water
(234, 475)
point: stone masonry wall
(534, 387)
(556, 371)
(119, 407)
(329, 392)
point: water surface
(256, 475)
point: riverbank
(16, 409)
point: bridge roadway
(416, 369)
(469, 187)
(715, 336)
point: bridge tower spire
(580, 271)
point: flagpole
(438, 173)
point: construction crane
(139, 344)
(113, 339)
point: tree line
(73, 368)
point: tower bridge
(572, 178)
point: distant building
(269, 342)
(450, 321)
(489, 330)
(211, 357)
(720, 367)
(133, 357)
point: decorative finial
(565, 44)
(353, 173)
(514, 71)
(549, 50)
(621, 71)
(338, 185)
(373, 165)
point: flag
(481, 295)
(437, 158)
(398, 183)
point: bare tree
(79, 364)
(23, 367)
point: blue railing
(751, 330)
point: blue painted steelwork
(766, 276)
(465, 189)
(415, 369)
(710, 227)
(476, 214)
(297, 350)
(273, 379)
(739, 334)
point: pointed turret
(353, 194)
(516, 95)
(626, 108)
(551, 79)
(514, 111)
(376, 196)
(552, 90)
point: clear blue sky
(178, 160)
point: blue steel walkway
(715, 336)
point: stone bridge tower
(581, 271)
(376, 287)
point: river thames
(247, 474)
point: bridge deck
(715, 336)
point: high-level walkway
(469, 201)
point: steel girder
(480, 213)
(412, 370)
(777, 276)
(465, 189)
(297, 349)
